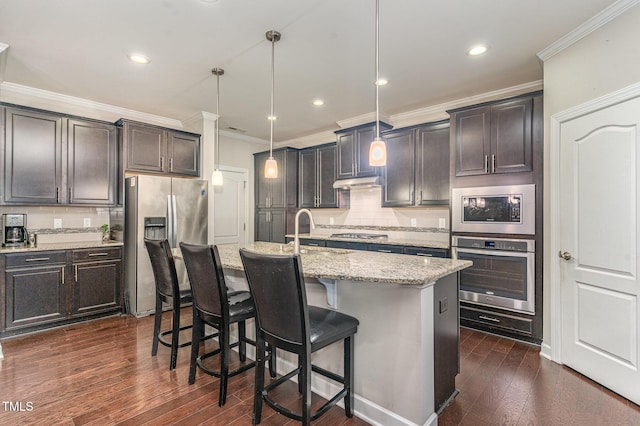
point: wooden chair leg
(175, 335)
(223, 340)
(242, 339)
(259, 380)
(196, 332)
(348, 375)
(156, 326)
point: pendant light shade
(378, 149)
(216, 176)
(271, 166)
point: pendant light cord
(272, 118)
(377, 82)
(217, 160)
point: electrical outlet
(442, 223)
(331, 221)
(57, 223)
(87, 222)
(444, 305)
(413, 222)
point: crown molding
(243, 138)
(361, 119)
(116, 111)
(310, 140)
(592, 24)
(3, 59)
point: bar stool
(214, 305)
(167, 291)
(285, 321)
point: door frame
(249, 218)
(552, 346)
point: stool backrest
(277, 287)
(164, 268)
(206, 277)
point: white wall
(606, 60)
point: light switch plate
(87, 222)
(414, 223)
(442, 223)
(331, 221)
(57, 223)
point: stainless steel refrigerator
(159, 207)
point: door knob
(565, 255)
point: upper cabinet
(317, 173)
(152, 149)
(493, 138)
(37, 172)
(417, 170)
(353, 150)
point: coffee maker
(14, 229)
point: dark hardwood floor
(102, 373)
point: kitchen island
(406, 348)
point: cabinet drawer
(347, 245)
(384, 248)
(497, 320)
(97, 253)
(16, 260)
(425, 251)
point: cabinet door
(308, 184)
(364, 137)
(96, 287)
(277, 193)
(262, 226)
(472, 141)
(32, 157)
(327, 172)
(511, 134)
(346, 143)
(278, 222)
(183, 153)
(34, 296)
(262, 185)
(432, 168)
(92, 163)
(399, 173)
(145, 148)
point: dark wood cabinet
(35, 170)
(92, 163)
(432, 164)
(32, 157)
(417, 170)
(353, 150)
(427, 252)
(42, 289)
(152, 149)
(276, 199)
(493, 138)
(318, 172)
(96, 280)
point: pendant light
(378, 149)
(270, 166)
(216, 176)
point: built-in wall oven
(502, 275)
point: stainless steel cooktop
(360, 236)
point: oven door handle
(491, 252)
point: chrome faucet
(296, 239)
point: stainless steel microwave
(494, 209)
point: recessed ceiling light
(318, 102)
(382, 82)
(272, 118)
(138, 58)
(477, 50)
(209, 1)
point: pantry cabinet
(353, 150)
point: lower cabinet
(42, 289)
(271, 225)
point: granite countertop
(354, 265)
(62, 246)
(396, 241)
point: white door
(230, 220)
(599, 196)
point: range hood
(361, 182)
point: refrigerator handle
(171, 220)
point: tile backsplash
(73, 218)
(365, 210)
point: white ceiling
(79, 48)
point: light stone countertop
(396, 241)
(62, 246)
(353, 265)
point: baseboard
(545, 351)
